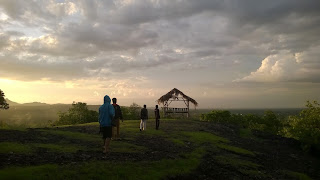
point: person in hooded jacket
(106, 113)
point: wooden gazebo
(176, 95)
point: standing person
(157, 116)
(117, 117)
(143, 117)
(106, 113)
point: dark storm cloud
(94, 36)
(109, 37)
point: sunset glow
(139, 50)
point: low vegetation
(77, 114)
(304, 127)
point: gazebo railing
(175, 110)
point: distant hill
(12, 103)
(35, 104)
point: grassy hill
(181, 149)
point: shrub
(132, 112)
(306, 126)
(217, 116)
(77, 114)
(268, 122)
(272, 122)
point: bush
(77, 114)
(305, 127)
(272, 122)
(269, 122)
(132, 112)
(217, 116)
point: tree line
(304, 127)
(79, 113)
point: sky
(223, 54)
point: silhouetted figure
(106, 113)
(157, 116)
(143, 117)
(117, 117)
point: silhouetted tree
(3, 102)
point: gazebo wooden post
(166, 108)
(188, 109)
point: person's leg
(106, 145)
(108, 134)
(141, 124)
(157, 123)
(113, 129)
(144, 124)
(118, 128)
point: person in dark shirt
(143, 117)
(157, 117)
(117, 118)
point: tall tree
(3, 102)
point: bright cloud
(287, 66)
(138, 49)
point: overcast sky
(224, 54)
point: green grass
(180, 132)
(7, 147)
(78, 125)
(32, 172)
(74, 135)
(235, 149)
(104, 169)
(255, 173)
(236, 162)
(245, 133)
(119, 146)
(177, 141)
(204, 137)
(297, 175)
(58, 147)
(14, 127)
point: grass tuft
(297, 175)
(236, 162)
(204, 137)
(235, 149)
(7, 147)
(118, 146)
(74, 135)
(57, 148)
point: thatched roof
(174, 93)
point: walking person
(106, 113)
(117, 118)
(143, 117)
(157, 117)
